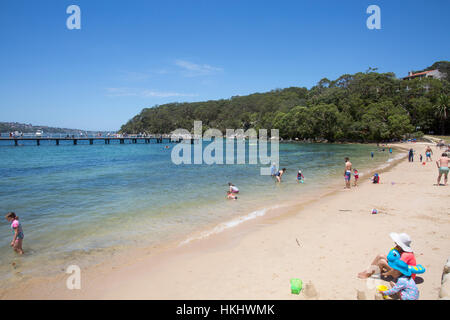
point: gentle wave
(229, 224)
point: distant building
(425, 74)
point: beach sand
(325, 242)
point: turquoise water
(78, 202)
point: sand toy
(296, 285)
(383, 288)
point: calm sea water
(77, 202)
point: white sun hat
(403, 240)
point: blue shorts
(348, 175)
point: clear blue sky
(134, 54)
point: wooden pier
(107, 140)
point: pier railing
(121, 138)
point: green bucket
(296, 286)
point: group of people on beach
(442, 162)
(348, 174)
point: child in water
(356, 175)
(17, 241)
(233, 188)
(231, 196)
(300, 176)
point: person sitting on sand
(300, 176)
(375, 178)
(279, 174)
(405, 285)
(17, 241)
(356, 175)
(442, 165)
(403, 246)
(231, 196)
(347, 172)
(233, 188)
(428, 153)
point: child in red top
(356, 175)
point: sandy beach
(325, 242)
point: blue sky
(134, 54)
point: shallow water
(76, 203)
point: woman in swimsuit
(279, 174)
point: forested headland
(366, 106)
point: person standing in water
(279, 174)
(273, 169)
(347, 172)
(16, 227)
(428, 153)
(300, 176)
(442, 165)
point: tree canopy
(366, 106)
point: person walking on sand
(428, 153)
(347, 172)
(442, 165)
(411, 155)
(16, 227)
(403, 246)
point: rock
(445, 278)
(447, 267)
(445, 290)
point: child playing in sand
(16, 243)
(405, 286)
(375, 178)
(231, 196)
(300, 176)
(380, 263)
(356, 175)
